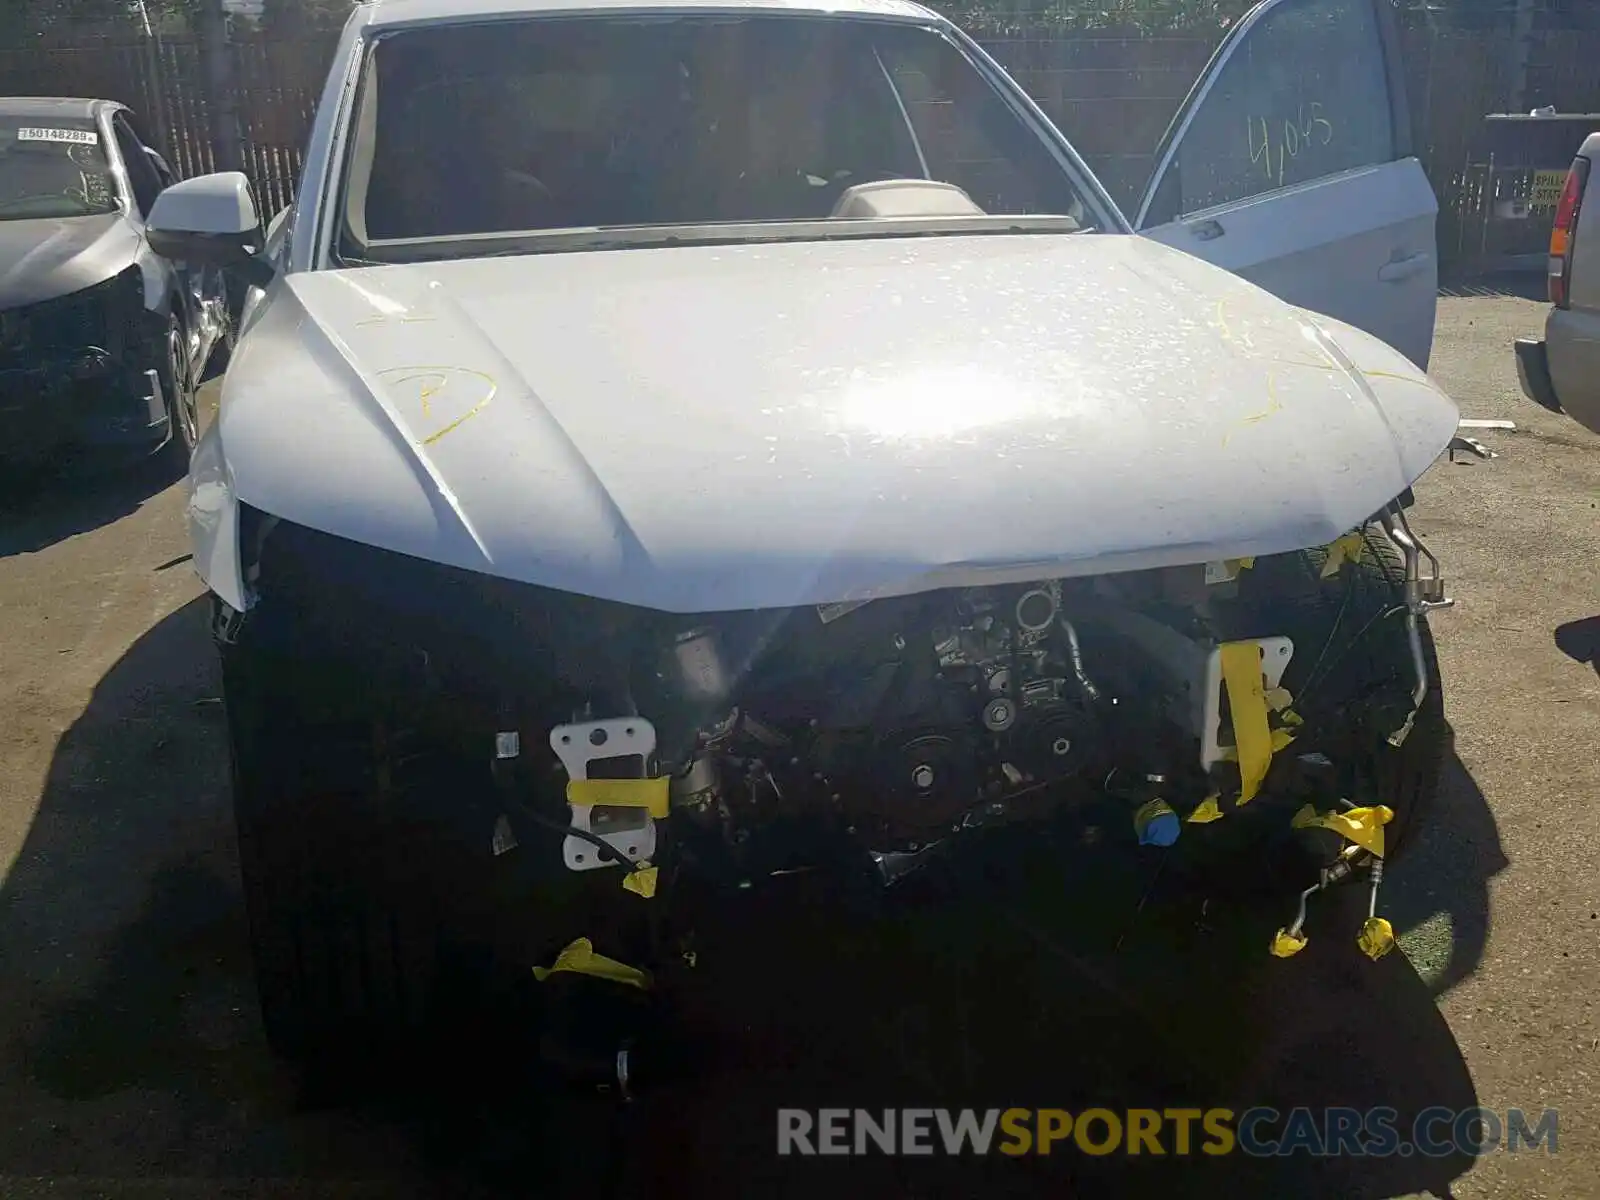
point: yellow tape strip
(1363, 826)
(1376, 938)
(579, 957)
(1287, 945)
(648, 794)
(1241, 672)
(641, 882)
(1342, 550)
(1281, 740)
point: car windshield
(50, 167)
(577, 123)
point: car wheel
(178, 388)
(1351, 651)
(339, 888)
(1406, 777)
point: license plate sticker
(71, 137)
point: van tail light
(1564, 233)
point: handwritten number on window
(1292, 136)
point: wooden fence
(1112, 93)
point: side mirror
(210, 220)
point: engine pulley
(1053, 739)
(924, 781)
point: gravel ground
(131, 1064)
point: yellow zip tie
(1363, 826)
(648, 794)
(641, 882)
(1241, 672)
(579, 957)
(1342, 550)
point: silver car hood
(709, 428)
(43, 258)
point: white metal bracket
(629, 831)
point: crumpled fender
(213, 516)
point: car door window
(142, 176)
(1304, 94)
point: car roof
(54, 106)
(378, 13)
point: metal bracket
(155, 398)
(629, 831)
(1471, 446)
(225, 622)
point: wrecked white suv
(696, 441)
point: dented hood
(710, 428)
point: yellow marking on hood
(1423, 382)
(1274, 406)
(437, 381)
(385, 318)
(1228, 334)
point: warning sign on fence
(1547, 187)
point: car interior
(595, 122)
(52, 179)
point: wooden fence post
(217, 60)
(1517, 57)
(158, 119)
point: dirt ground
(131, 1063)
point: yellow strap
(1281, 739)
(1342, 550)
(1363, 826)
(1241, 671)
(648, 794)
(579, 957)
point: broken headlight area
(743, 745)
(102, 321)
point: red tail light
(1564, 233)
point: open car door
(1290, 163)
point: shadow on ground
(1580, 641)
(53, 501)
(129, 1046)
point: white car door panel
(1358, 248)
(1290, 164)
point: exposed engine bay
(748, 743)
(896, 726)
(523, 751)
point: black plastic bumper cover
(1533, 372)
(86, 398)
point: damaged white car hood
(708, 428)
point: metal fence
(1111, 89)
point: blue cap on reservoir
(1156, 824)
